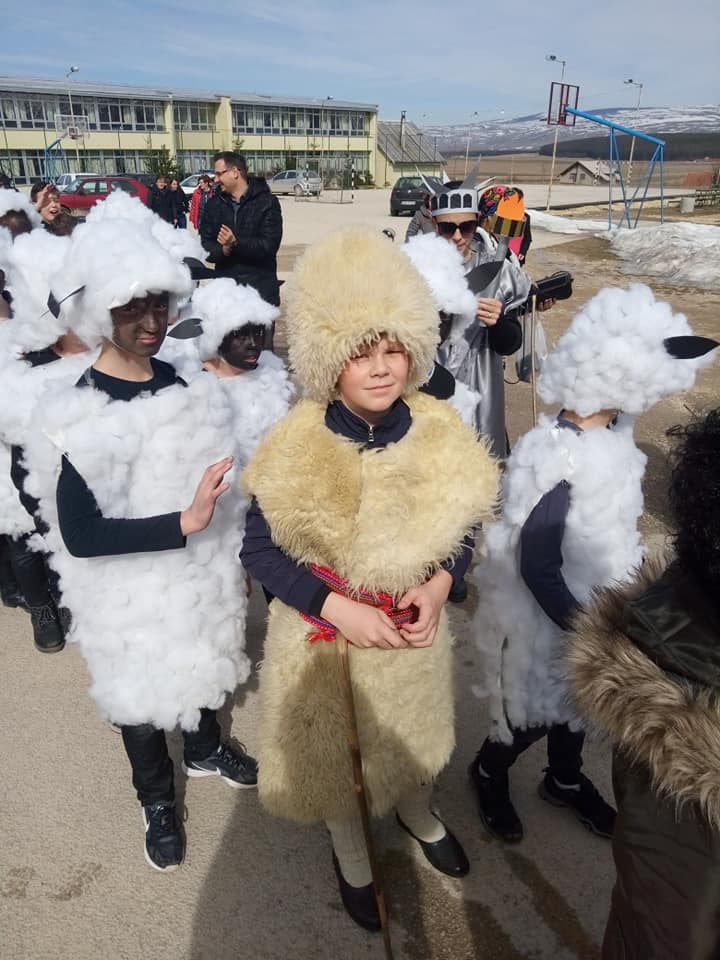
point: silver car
(296, 182)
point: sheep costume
(161, 632)
(442, 267)
(616, 354)
(28, 263)
(383, 519)
(13, 200)
(260, 397)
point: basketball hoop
(72, 126)
(562, 96)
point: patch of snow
(554, 224)
(682, 254)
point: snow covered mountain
(532, 132)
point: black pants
(31, 573)
(152, 767)
(564, 749)
(8, 580)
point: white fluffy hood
(13, 200)
(114, 261)
(222, 305)
(442, 267)
(613, 355)
(121, 206)
(28, 264)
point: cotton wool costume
(151, 662)
(612, 357)
(383, 508)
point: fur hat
(108, 264)
(14, 200)
(346, 291)
(222, 306)
(618, 353)
(442, 266)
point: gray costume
(467, 353)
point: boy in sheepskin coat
(144, 543)
(571, 505)
(357, 520)
(645, 671)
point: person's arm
(505, 337)
(209, 226)
(414, 226)
(458, 566)
(290, 582)
(87, 533)
(541, 558)
(265, 240)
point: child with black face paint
(154, 589)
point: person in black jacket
(162, 201)
(180, 204)
(241, 227)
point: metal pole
(632, 142)
(467, 152)
(533, 321)
(554, 153)
(72, 115)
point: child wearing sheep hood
(572, 499)
(147, 560)
(356, 519)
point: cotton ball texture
(13, 200)
(442, 267)
(613, 356)
(223, 306)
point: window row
(43, 113)
(28, 166)
(286, 120)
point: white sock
(414, 811)
(566, 786)
(348, 842)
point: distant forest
(678, 146)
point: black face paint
(241, 348)
(140, 326)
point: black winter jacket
(162, 203)
(256, 223)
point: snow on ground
(682, 254)
(553, 224)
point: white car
(296, 182)
(189, 184)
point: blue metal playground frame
(658, 157)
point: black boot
(495, 807)
(47, 632)
(359, 902)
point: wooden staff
(353, 738)
(532, 358)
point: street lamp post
(632, 83)
(70, 72)
(552, 58)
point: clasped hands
(366, 626)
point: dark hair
(232, 159)
(519, 192)
(5, 182)
(63, 224)
(205, 178)
(160, 176)
(17, 222)
(695, 499)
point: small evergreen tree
(162, 163)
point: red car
(80, 196)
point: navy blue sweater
(293, 583)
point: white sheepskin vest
(524, 672)
(162, 632)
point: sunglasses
(447, 228)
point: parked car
(296, 182)
(83, 194)
(189, 184)
(407, 194)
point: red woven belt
(383, 601)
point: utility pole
(554, 59)
(632, 83)
(72, 115)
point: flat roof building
(121, 125)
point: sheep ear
(689, 348)
(187, 329)
(54, 305)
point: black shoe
(47, 632)
(359, 902)
(495, 807)
(446, 854)
(458, 592)
(584, 800)
(237, 769)
(164, 848)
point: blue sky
(440, 66)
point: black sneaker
(164, 848)
(495, 807)
(47, 632)
(236, 768)
(584, 800)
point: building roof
(598, 169)
(92, 88)
(413, 147)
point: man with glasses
(241, 227)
